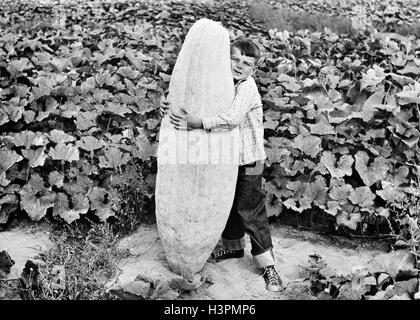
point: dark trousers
(248, 214)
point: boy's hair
(247, 48)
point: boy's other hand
(184, 121)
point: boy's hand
(185, 121)
(164, 106)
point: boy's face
(242, 66)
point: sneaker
(272, 279)
(226, 254)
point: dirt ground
(231, 280)
(239, 278)
(24, 243)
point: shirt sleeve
(235, 114)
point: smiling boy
(248, 214)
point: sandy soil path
(238, 278)
(231, 280)
(22, 244)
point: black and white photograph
(211, 158)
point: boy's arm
(235, 114)
(226, 119)
(185, 121)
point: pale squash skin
(196, 180)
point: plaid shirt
(245, 111)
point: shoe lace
(272, 275)
(221, 253)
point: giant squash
(197, 170)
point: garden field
(82, 84)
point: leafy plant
(80, 107)
(78, 266)
(386, 276)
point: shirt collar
(240, 81)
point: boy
(248, 211)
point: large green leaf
(74, 188)
(317, 191)
(59, 63)
(28, 138)
(28, 115)
(276, 154)
(42, 59)
(64, 152)
(88, 85)
(143, 149)
(69, 110)
(273, 205)
(101, 95)
(304, 204)
(16, 67)
(391, 193)
(372, 77)
(87, 167)
(36, 157)
(61, 207)
(341, 193)
(8, 204)
(324, 103)
(45, 85)
(332, 208)
(60, 137)
(56, 178)
(310, 145)
(35, 184)
(113, 158)
(363, 197)
(349, 219)
(4, 118)
(137, 59)
(50, 108)
(14, 112)
(3, 181)
(104, 78)
(288, 82)
(298, 188)
(86, 120)
(36, 206)
(116, 108)
(90, 143)
(127, 72)
(370, 105)
(395, 263)
(371, 172)
(288, 166)
(322, 127)
(97, 200)
(8, 158)
(340, 168)
(409, 96)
